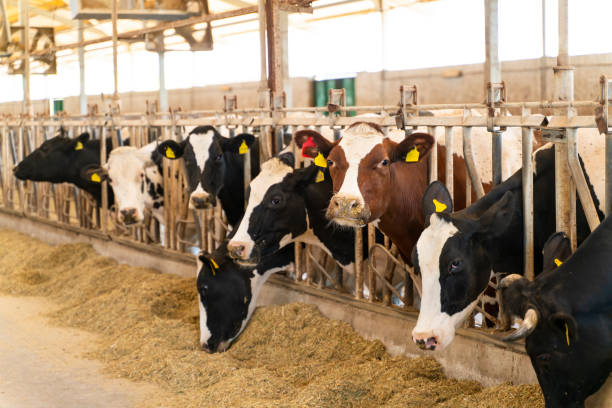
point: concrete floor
(41, 366)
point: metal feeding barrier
(385, 278)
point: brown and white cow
(374, 182)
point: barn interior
(492, 81)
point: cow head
(274, 213)
(565, 353)
(452, 257)
(206, 155)
(57, 160)
(224, 297)
(360, 167)
(136, 181)
(228, 294)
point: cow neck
(338, 242)
(231, 194)
(403, 220)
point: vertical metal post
(470, 164)
(493, 76)
(564, 91)
(371, 273)
(104, 207)
(81, 51)
(115, 69)
(163, 92)
(433, 157)
(543, 84)
(527, 176)
(449, 176)
(24, 16)
(358, 263)
(261, 13)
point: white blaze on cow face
(128, 168)
(200, 144)
(356, 143)
(435, 328)
(272, 172)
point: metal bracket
(553, 135)
(279, 100)
(408, 97)
(601, 112)
(496, 95)
(336, 100)
(230, 103)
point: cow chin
(349, 222)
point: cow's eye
(455, 266)
(219, 157)
(384, 163)
(275, 201)
(330, 163)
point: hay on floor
(288, 356)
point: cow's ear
(414, 148)
(94, 174)
(556, 250)
(567, 326)
(496, 220)
(300, 178)
(208, 262)
(436, 199)
(79, 142)
(171, 149)
(240, 144)
(288, 158)
(322, 145)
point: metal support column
(24, 16)
(81, 51)
(115, 69)
(163, 92)
(493, 76)
(564, 91)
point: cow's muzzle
(348, 211)
(426, 341)
(201, 201)
(128, 216)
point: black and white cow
(566, 316)
(228, 294)
(458, 252)
(135, 176)
(62, 160)
(286, 206)
(215, 168)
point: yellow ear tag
(170, 153)
(320, 177)
(96, 178)
(213, 266)
(412, 156)
(558, 262)
(439, 206)
(320, 161)
(79, 146)
(243, 149)
(567, 334)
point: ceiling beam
(64, 20)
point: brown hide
(403, 220)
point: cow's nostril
(354, 204)
(206, 348)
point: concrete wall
(526, 80)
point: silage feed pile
(288, 356)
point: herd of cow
(565, 314)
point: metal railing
(389, 280)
